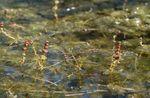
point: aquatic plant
(74, 48)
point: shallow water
(80, 49)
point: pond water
(74, 48)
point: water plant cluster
(74, 48)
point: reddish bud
(46, 44)
(1, 24)
(45, 47)
(26, 44)
(116, 57)
(24, 49)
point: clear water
(80, 49)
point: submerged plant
(117, 53)
(71, 57)
(55, 8)
(5, 33)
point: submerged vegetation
(74, 48)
